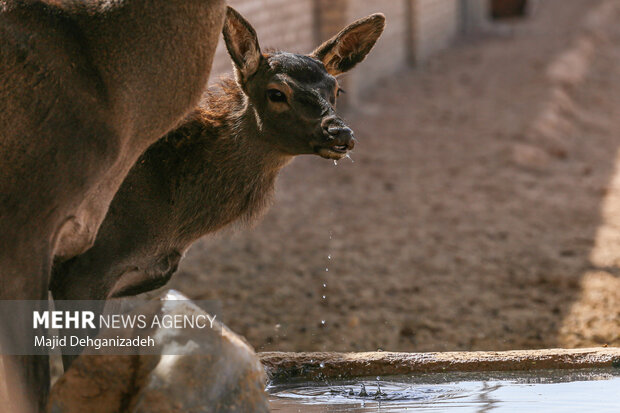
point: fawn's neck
(232, 171)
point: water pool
(582, 390)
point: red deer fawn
(85, 88)
(220, 165)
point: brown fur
(204, 175)
(218, 166)
(85, 88)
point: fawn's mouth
(335, 152)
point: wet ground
(482, 210)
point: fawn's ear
(242, 44)
(349, 47)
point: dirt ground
(482, 211)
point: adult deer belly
(139, 280)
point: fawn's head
(294, 96)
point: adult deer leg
(25, 379)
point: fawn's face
(295, 100)
(294, 96)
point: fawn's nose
(341, 135)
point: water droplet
(349, 157)
(379, 392)
(323, 322)
(322, 365)
(335, 162)
(326, 269)
(323, 298)
(329, 257)
(378, 378)
(324, 285)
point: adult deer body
(220, 165)
(85, 88)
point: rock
(530, 157)
(217, 372)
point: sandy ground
(482, 211)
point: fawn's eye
(275, 95)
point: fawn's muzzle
(337, 140)
(342, 136)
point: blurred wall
(474, 14)
(416, 29)
(280, 24)
(435, 25)
(391, 51)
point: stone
(217, 372)
(530, 157)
